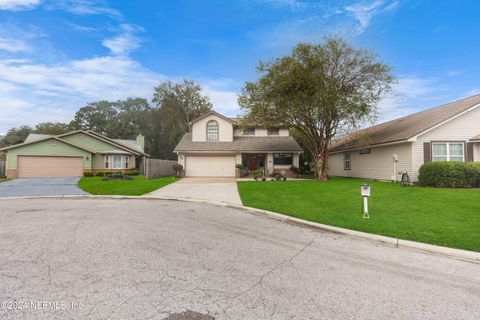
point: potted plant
(238, 170)
(178, 169)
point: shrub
(178, 168)
(109, 173)
(256, 174)
(100, 173)
(88, 173)
(131, 172)
(239, 166)
(450, 175)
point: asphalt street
(153, 259)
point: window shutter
(469, 152)
(427, 152)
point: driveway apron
(40, 187)
(211, 189)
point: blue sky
(55, 56)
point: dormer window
(212, 130)
(273, 131)
(249, 131)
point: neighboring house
(450, 132)
(216, 144)
(69, 154)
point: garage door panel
(210, 166)
(49, 167)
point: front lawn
(136, 187)
(446, 217)
(3, 179)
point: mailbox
(365, 190)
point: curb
(459, 254)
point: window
(107, 162)
(212, 130)
(249, 131)
(117, 161)
(347, 161)
(127, 159)
(283, 159)
(448, 151)
(273, 131)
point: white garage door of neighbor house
(49, 167)
(210, 166)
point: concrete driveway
(146, 259)
(212, 189)
(40, 187)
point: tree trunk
(323, 163)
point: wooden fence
(2, 169)
(157, 168)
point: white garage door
(210, 166)
(49, 167)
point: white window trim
(113, 162)
(127, 162)
(448, 143)
(106, 162)
(217, 133)
(349, 161)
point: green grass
(446, 217)
(3, 179)
(136, 187)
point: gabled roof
(128, 144)
(246, 143)
(402, 129)
(103, 138)
(35, 136)
(212, 113)
(476, 138)
(45, 139)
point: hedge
(450, 174)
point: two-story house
(216, 144)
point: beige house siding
(262, 132)
(476, 152)
(461, 128)
(199, 129)
(378, 164)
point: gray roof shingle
(239, 144)
(404, 128)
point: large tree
(318, 90)
(178, 104)
(15, 136)
(98, 116)
(53, 128)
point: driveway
(212, 189)
(40, 187)
(146, 259)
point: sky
(58, 55)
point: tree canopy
(318, 90)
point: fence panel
(2, 169)
(157, 168)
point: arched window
(212, 130)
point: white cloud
(364, 11)
(32, 93)
(13, 45)
(85, 7)
(125, 42)
(18, 4)
(409, 95)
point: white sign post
(366, 192)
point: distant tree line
(163, 122)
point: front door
(252, 162)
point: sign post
(365, 192)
